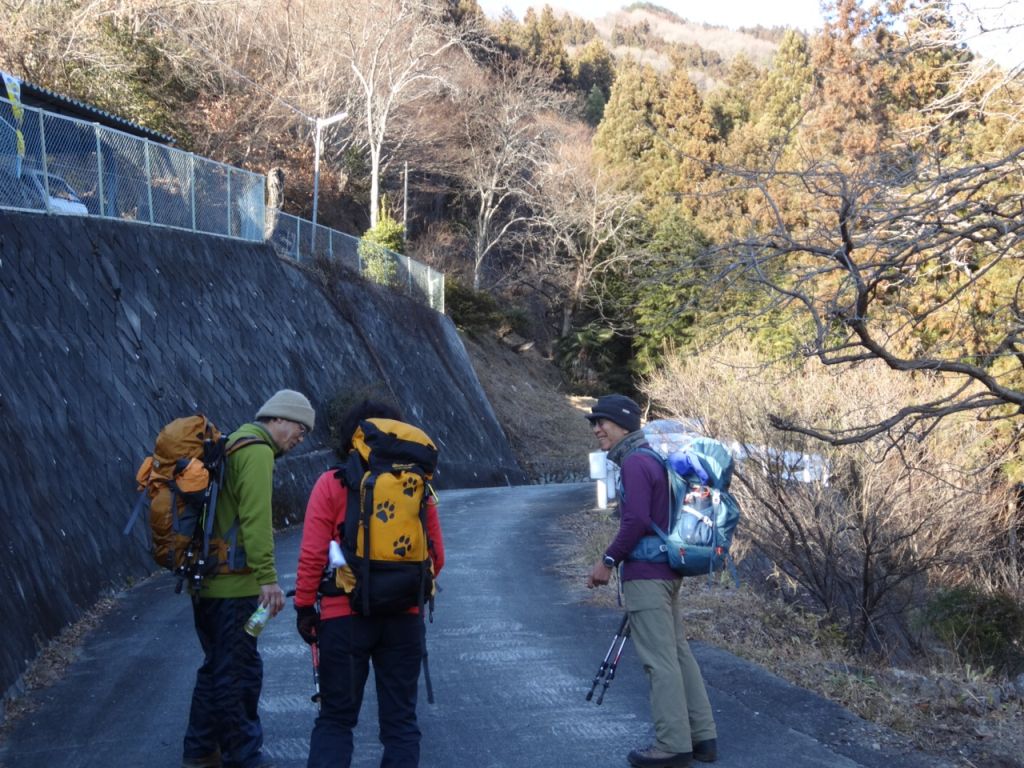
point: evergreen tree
(780, 103)
(731, 105)
(664, 296)
(542, 42)
(594, 67)
(625, 139)
(593, 107)
(685, 138)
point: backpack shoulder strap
(236, 557)
(244, 442)
(676, 490)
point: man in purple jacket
(684, 726)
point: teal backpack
(703, 515)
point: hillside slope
(545, 425)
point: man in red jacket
(348, 642)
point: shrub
(985, 631)
(475, 312)
(379, 263)
(378, 247)
(865, 541)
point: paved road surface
(512, 654)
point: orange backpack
(180, 481)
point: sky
(1006, 48)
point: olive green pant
(679, 702)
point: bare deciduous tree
(399, 53)
(904, 243)
(918, 264)
(583, 217)
(502, 139)
(993, 30)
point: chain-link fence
(68, 166)
(294, 237)
(63, 165)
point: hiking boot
(706, 751)
(211, 760)
(652, 757)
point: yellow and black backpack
(385, 534)
(180, 481)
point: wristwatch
(609, 561)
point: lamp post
(321, 123)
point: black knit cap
(619, 409)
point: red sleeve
(434, 533)
(325, 508)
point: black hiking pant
(394, 644)
(224, 713)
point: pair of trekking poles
(606, 672)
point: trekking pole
(315, 698)
(615, 665)
(607, 657)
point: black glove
(307, 621)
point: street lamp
(321, 123)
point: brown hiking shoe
(652, 757)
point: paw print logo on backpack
(385, 511)
(402, 545)
(409, 486)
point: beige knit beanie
(288, 404)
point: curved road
(512, 654)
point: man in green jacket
(224, 728)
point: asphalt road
(512, 655)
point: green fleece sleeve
(252, 474)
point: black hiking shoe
(706, 751)
(652, 757)
(211, 760)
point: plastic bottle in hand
(258, 621)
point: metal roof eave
(33, 95)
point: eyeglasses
(303, 430)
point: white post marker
(599, 472)
(612, 478)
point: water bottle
(258, 621)
(334, 555)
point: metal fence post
(99, 168)
(149, 179)
(229, 201)
(46, 165)
(192, 187)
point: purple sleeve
(645, 492)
